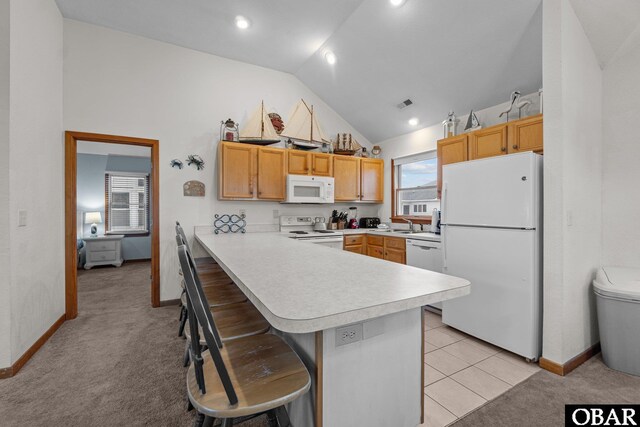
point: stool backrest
(198, 307)
(198, 287)
(180, 232)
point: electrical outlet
(348, 334)
(243, 212)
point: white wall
(426, 139)
(122, 84)
(35, 171)
(572, 80)
(621, 157)
(5, 261)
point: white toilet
(617, 292)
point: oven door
(309, 189)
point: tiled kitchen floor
(462, 373)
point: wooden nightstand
(103, 250)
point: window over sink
(415, 192)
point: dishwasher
(425, 254)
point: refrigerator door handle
(445, 188)
(444, 247)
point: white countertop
(301, 287)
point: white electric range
(303, 228)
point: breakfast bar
(355, 321)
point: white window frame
(398, 162)
(109, 207)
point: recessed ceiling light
(242, 22)
(330, 57)
(414, 121)
(396, 3)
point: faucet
(410, 224)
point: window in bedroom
(126, 203)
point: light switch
(22, 218)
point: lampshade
(93, 218)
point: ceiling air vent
(404, 104)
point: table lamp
(93, 218)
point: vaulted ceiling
(612, 26)
(442, 54)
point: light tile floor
(463, 373)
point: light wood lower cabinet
(355, 243)
(388, 248)
(395, 249)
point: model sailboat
(259, 129)
(303, 127)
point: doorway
(71, 213)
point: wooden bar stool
(203, 264)
(237, 379)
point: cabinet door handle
(515, 147)
(503, 149)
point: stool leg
(227, 422)
(183, 322)
(272, 419)
(283, 417)
(186, 358)
(199, 420)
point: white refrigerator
(492, 236)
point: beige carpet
(540, 400)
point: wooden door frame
(70, 222)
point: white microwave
(309, 189)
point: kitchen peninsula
(355, 321)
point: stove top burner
(325, 231)
(298, 232)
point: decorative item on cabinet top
(472, 122)
(515, 96)
(449, 125)
(346, 145)
(259, 129)
(304, 128)
(229, 131)
(193, 189)
(229, 223)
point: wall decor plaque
(193, 189)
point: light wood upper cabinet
(272, 164)
(372, 187)
(321, 164)
(451, 150)
(236, 171)
(346, 171)
(488, 142)
(303, 163)
(526, 135)
(299, 162)
(253, 172)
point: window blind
(126, 203)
